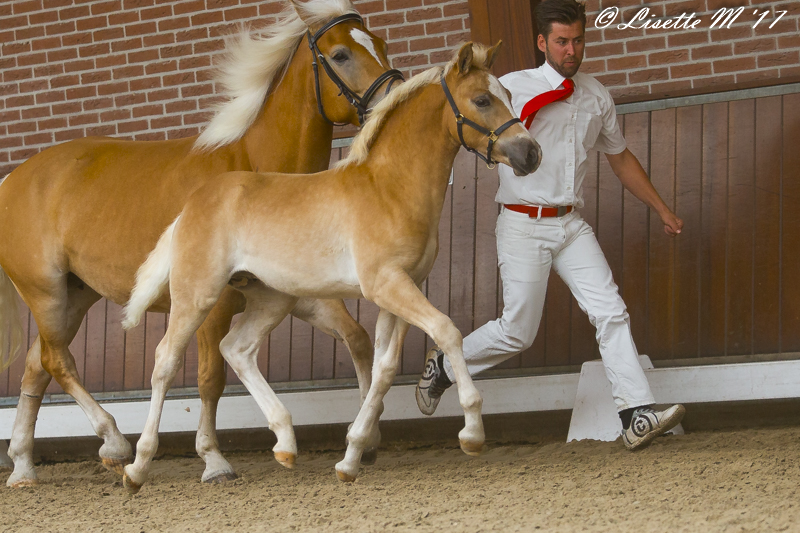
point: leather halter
(359, 102)
(461, 120)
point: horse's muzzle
(523, 154)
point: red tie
(537, 102)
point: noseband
(461, 120)
(359, 102)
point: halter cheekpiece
(359, 102)
(493, 135)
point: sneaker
(647, 424)
(433, 383)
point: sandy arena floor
(744, 480)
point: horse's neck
(290, 135)
(414, 152)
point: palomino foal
(367, 228)
(78, 219)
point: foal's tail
(10, 322)
(152, 279)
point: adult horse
(78, 219)
(368, 228)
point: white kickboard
(594, 415)
(5, 460)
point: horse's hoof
(22, 483)
(345, 477)
(222, 477)
(287, 459)
(369, 457)
(129, 484)
(471, 447)
(116, 465)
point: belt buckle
(561, 210)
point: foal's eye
(482, 101)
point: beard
(566, 71)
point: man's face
(564, 47)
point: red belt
(535, 211)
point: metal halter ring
(359, 102)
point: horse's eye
(339, 57)
(483, 101)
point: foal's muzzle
(523, 154)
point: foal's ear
(464, 62)
(491, 55)
(301, 11)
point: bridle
(461, 120)
(359, 102)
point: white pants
(526, 249)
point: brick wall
(656, 61)
(140, 68)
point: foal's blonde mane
(252, 64)
(377, 117)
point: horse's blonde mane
(377, 117)
(253, 62)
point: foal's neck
(290, 135)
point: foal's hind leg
(265, 310)
(211, 384)
(332, 317)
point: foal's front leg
(389, 334)
(397, 293)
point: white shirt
(566, 130)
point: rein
(359, 102)
(461, 120)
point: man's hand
(672, 224)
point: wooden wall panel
(790, 226)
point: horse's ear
(300, 9)
(491, 55)
(464, 62)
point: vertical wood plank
(767, 253)
(95, 347)
(302, 347)
(78, 350)
(439, 278)
(133, 378)
(714, 204)
(279, 355)
(17, 369)
(462, 243)
(741, 196)
(636, 232)
(662, 251)
(322, 355)
(790, 226)
(114, 371)
(689, 156)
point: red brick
(195, 34)
(76, 66)
(670, 87)
(182, 78)
(42, 18)
(60, 28)
(115, 115)
(366, 8)
(181, 106)
(127, 44)
(604, 50)
(50, 96)
(128, 71)
(393, 5)
(786, 41)
(52, 123)
(771, 74)
(668, 57)
(68, 108)
(46, 43)
(73, 12)
(731, 34)
(189, 7)
(407, 30)
(31, 59)
(403, 62)
(679, 8)
(209, 46)
(16, 48)
(690, 71)
(398, 47)
(37, 138)
(648, 75)
(385, 19)
(455, 10)
(108, 34)
(21, 127)
(148, 111)
(159, 40)
(80, 120)
(92, 23)
(711, 50)
(106, 7)
(142, 56)
(712, 81)
(20, 155)
(176, 51)
(428, 43)
(687, 38)
(732, 65)
(195, 118)
(593, 66)
(611, 80)
(143, 28)
(124, 100)
(158, 12)
(242, 13)
(136, 4)
(27, 114)
(455, 39)
(64, 81)
(129, 127)
(165, 122)
(94, 50)
(26, 34)
(101, 131)
(714, 5)
(779, 59)
(113, 88)
(182, 133)
(10, 142)
(163, 94)
(123, 18)
(641, 44)
(76, 39)
(26, 7)
(209, 17)
(429, 13)
(194, 62)
(145, 83)
(76, 93)
(196, 90)
(67, 135)
(52, 69)
(150, 136)
(626, 62)
(15, 22)
(790, 72)
(62, 54)
(174, 24)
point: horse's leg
(389, 334)
(265, 310)
(184, 321)
(396, 292)
(332, 317)
(211, 384)
(34, 383)
(49, 305)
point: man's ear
(541, 43)
(491, 55)
(464, 62)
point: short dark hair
(562, 11)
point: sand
(740, 480)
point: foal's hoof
(22, 483)
(116, 465)
(369, 457)
(471, 447)
(344, 477)
(222, 477)
(287, 459)
(130, 485)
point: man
(539, 227)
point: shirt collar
(554, 78)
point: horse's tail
(152, 279)
(10, 322)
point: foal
(368, 228)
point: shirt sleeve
(610, 139)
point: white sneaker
(433, 383)
(647, 424)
